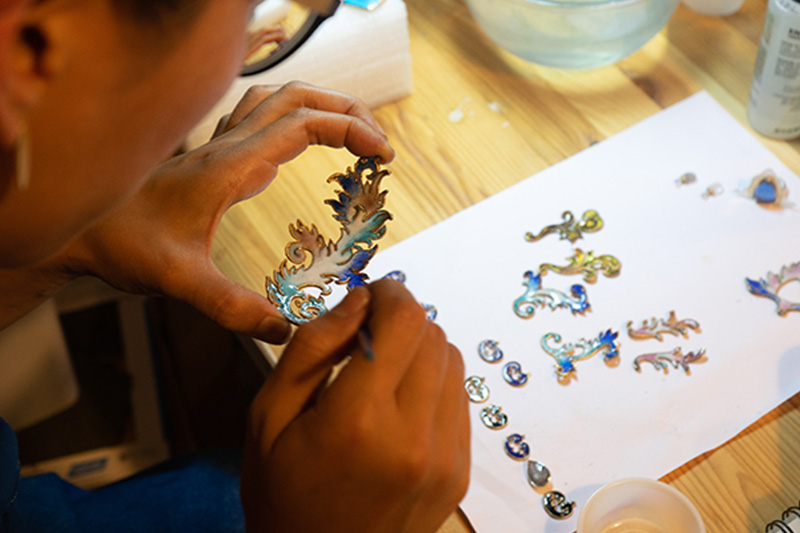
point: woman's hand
(160, 241)
(384, 448)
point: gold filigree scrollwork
(586, 264)
(570, 229)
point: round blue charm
(765, 192)
(489, 351)
(516, 447)
(513, 374)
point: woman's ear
(27, 63)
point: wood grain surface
(518, 119)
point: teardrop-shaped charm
(538, 474)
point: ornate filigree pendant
(566, 355)
(676, 358)
(313, 262)
(771, 285)
(586, 265)
(535, 295)
(654, 329)
(570, 229)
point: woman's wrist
(23, 289)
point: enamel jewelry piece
(676, 358)
(493, 417)
(397, 275)
(313, 262)
(570, 229)
(587, 265)
(513, 374)
(556, 505)
(489, 351)
(538, 474)
(535, 295)
(566, 357)
(770, 286)
(655, 328)
(516, 447)
(767, 190)
(712, 190)
(686, 179)
(477, 391)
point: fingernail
(354, 302)
(277, 329)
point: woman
(94, 94)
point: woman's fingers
(231, 305)
(285, 139)
(264, 104)
(306, 364)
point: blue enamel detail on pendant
(489, 351)
(535, 295)
(513, 374)
(566, 355)
(516, 447)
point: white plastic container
(717, 8)
(774, 106)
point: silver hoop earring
(23, 158)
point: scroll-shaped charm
(557, 506)
(535, 295)
(490, 351)
(586, 265)
(570, 229)
(516, 447)
(477, 391)
(676, 358)
(566, 355)
(493, 417)
(770, 286)
(313, 262)
(654, 329)
(513, 374)
(538, 474)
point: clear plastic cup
(638, 505)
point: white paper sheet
(678, 251)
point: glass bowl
(575, 34)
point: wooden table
(544, 116)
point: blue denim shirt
(199, 492)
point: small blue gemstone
(765, 193)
